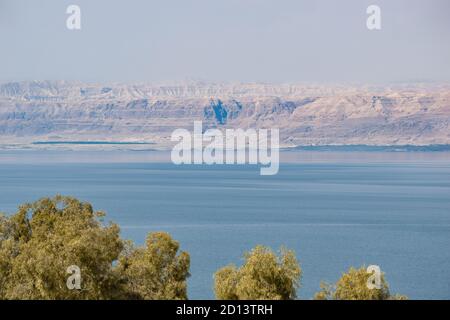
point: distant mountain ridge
(306, 114)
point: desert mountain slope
(305, 114)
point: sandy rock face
(305, 115)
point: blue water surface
(334, 211)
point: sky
(225, 40)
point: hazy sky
(225, 40)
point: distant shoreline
(369, 148)
(80, 145)
(91, 143)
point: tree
(263, 276)
(6, 250)
(43, 239)
(353, 286)
(156, 271)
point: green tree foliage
(353, 286)
(40, 241)
(156, 271)
(264, 276)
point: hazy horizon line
(232, 82)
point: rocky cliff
(305, 114)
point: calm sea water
(335, 210)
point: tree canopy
(60, 248)
(353, 286)
(43, 239)
(263, 276)
(156, 271)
